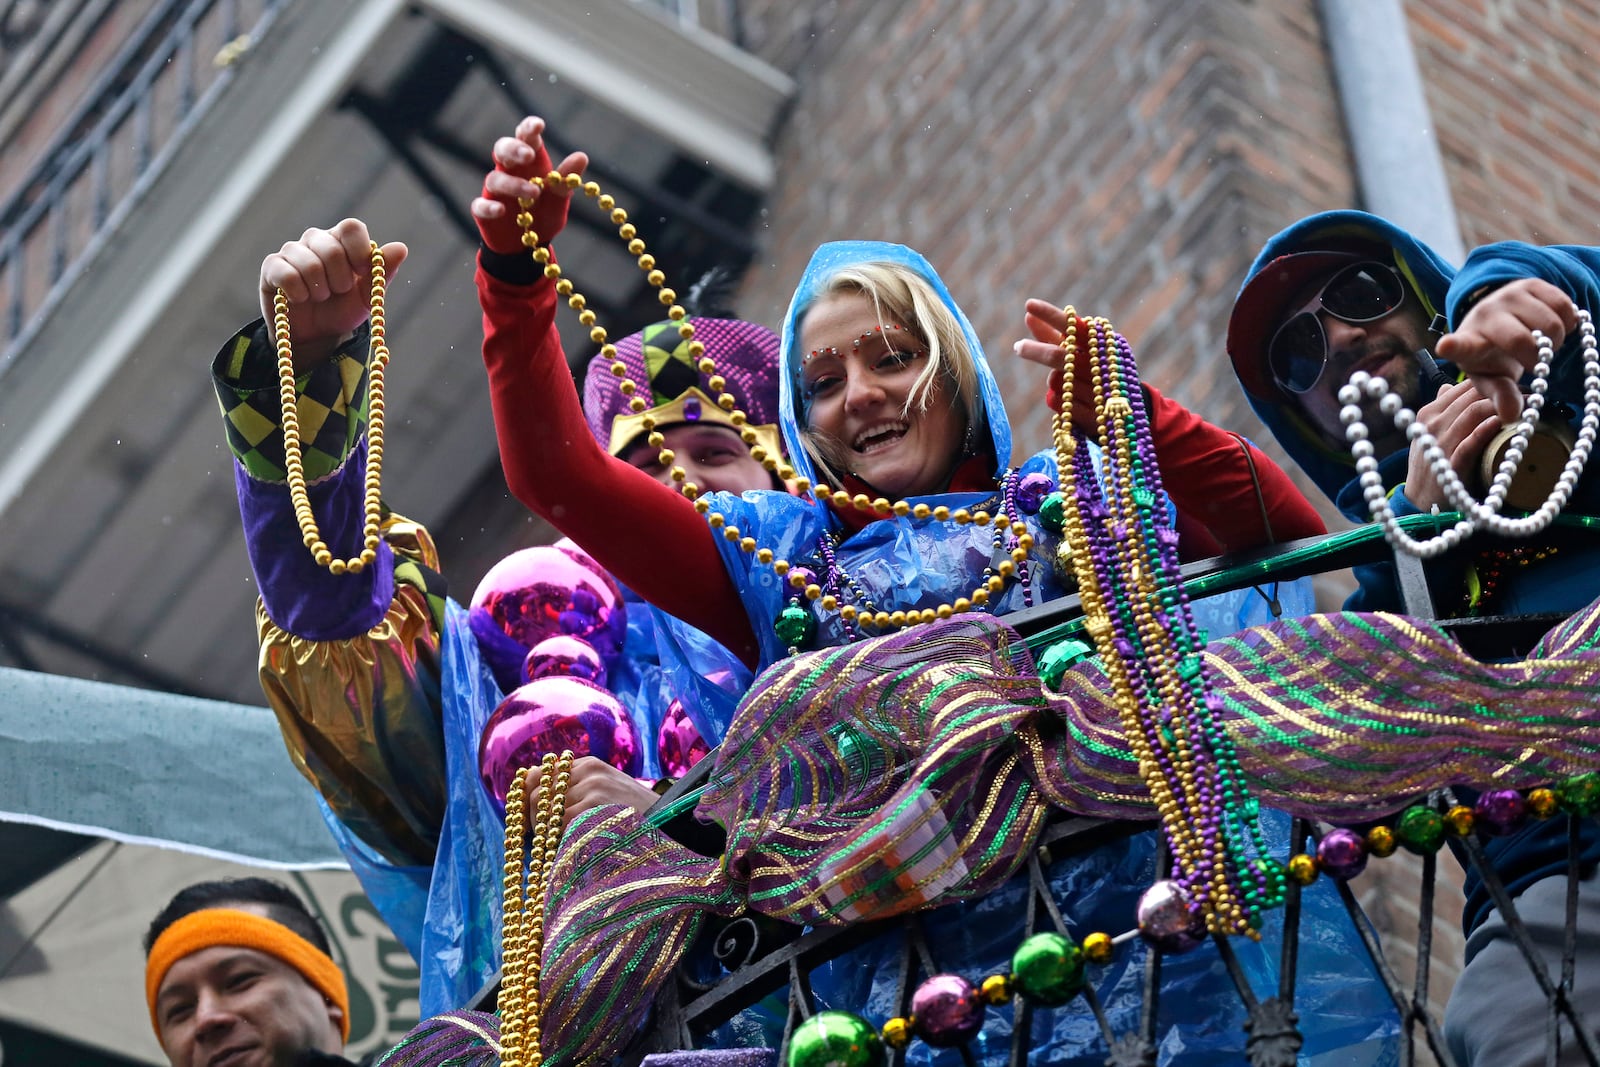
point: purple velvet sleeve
(301, 597)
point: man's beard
(1382, 360)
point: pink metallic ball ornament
(946, 1010)
(679, 744)
(550, 715)
(565, 657)
(548, 590)
(1167, 920)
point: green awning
(134, 765)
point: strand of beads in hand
(293, 447)
(1475, 514)
(802, 579)
(1120, 539)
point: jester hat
(657, 359)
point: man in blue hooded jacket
(1345, 291)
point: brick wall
(62, 79)
(1129, 158)
(86, 115)
(1512, 86)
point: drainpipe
(1398, 165)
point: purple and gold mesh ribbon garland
(917, 769)
(1124, 549)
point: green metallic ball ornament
(835, 1039)
(795, 626)
(1420, 830)
(1053, 512)
(1047, 969)
(1058, 659)
(1580, 795)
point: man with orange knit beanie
(238, 974)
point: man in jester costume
(384, 686)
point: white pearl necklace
(1475, 515)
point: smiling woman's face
(857, 378)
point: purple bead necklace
(1140, 619)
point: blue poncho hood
(1331, 231)
(827, 261)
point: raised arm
(349, 663)
(649, 536)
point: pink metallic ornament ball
(679, 744)
(1167, 919)
(553, 714)
(550, 590)
(565, 656)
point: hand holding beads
(325, 277)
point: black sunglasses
(1360, 293)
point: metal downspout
(1398, 165)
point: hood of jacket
(1331, 231)
(827, 261)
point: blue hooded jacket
(1540, 850)
(1333, 469)
(1574, 269)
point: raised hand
(518, 158)
(1463, 421)
(1493, 345)
(1048, 324)
(327, 277)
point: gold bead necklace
(526, 888)
(293, 451)
(881, 620)
(1180, 792)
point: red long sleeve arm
(649, 536)
(1243, 499)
